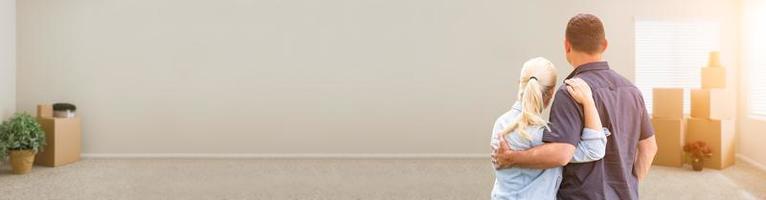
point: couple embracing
(598, 142)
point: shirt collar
(599, 65)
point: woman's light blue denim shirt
(525, 183)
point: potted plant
(696, 153)
(2, 151)
(23, 138)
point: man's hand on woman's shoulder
(580, 91)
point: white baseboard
(279, 156)
(750, 161)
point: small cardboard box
(670, 136)
(712, 104)
(713, 77)
(63, 137)
(44, 111)
(719, 135)
(714, 59)
(668, 103)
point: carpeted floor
(328, 179)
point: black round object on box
(64, 107)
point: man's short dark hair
(586, 33)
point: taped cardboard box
(712, 104)
(668, 103)
(713, 77)
(64, 139)
(670, 136)
(719, 135)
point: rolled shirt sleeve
(592, 147)
(593, 134)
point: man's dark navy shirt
(622, 110)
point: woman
(522, 127)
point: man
(631, 147)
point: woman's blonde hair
(538, 77)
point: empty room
(383, 99)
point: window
(671, 54)
(754, 44)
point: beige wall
(7, 58)
(751, 129)
(267, 76)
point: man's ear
(604, 44)
(567, 46)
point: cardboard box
(63, 137)
(670, 136)
(668, 103)
(714, 59)
(713, 77)
(719, 135)
(44, 111)
(712, 104)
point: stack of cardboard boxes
(712, 115)
(669, 125)
(711, 119)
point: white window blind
(671, 54)
(755, 55)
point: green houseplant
(2, 151)
(696, 153)
(23, 137)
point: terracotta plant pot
(697, 164)
(22, 160)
